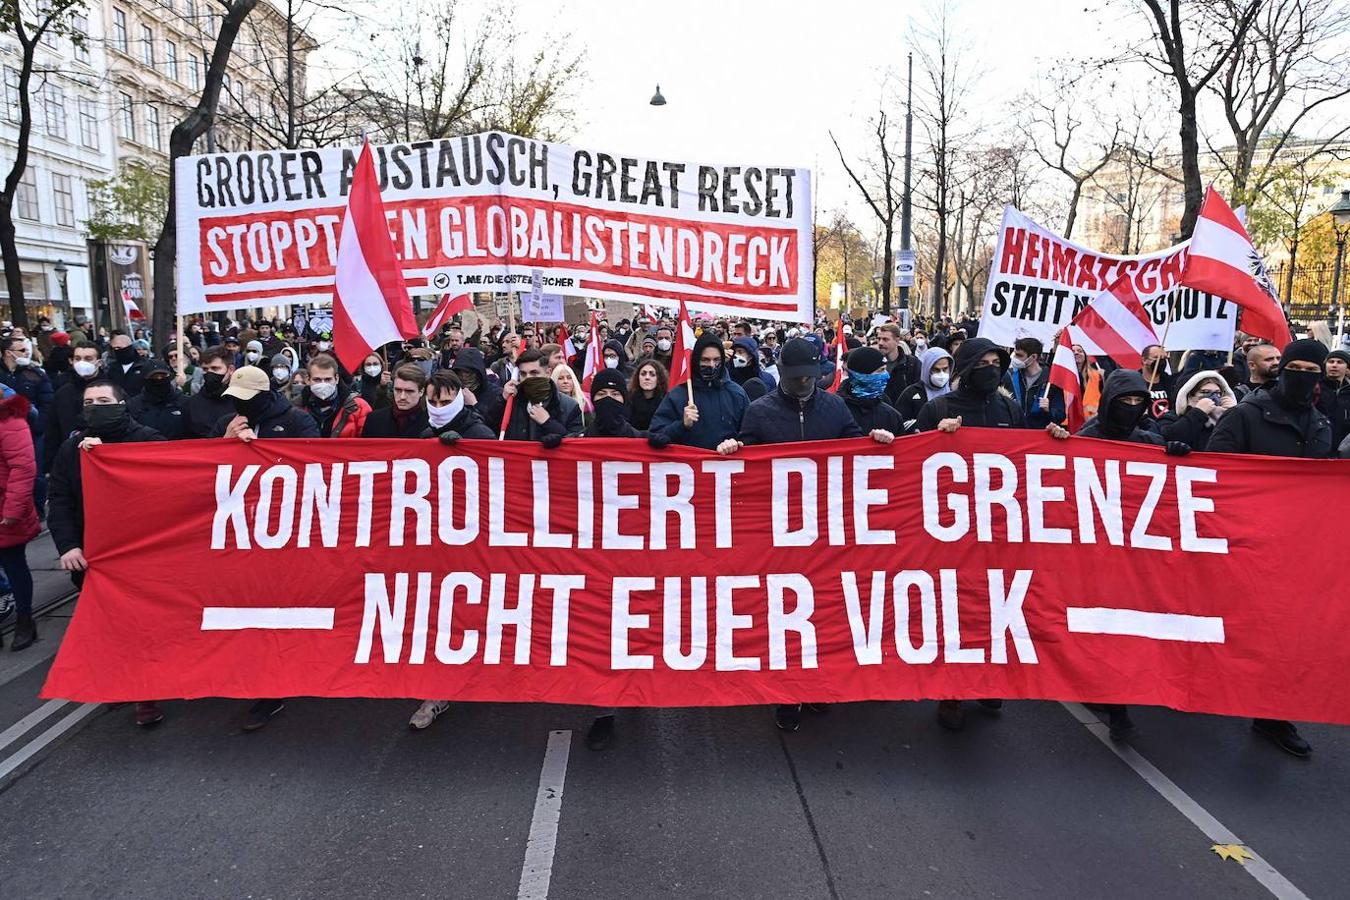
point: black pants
(14, 561)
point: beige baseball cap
(247, 382)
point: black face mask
(798, 388)
(158, 388)
(252, 408)
(105, 419)
(709, 373)
(609, 416)
(213, 384)
(1296, 388)
(1124, 417)
(468, 377)
(126, 355)
(983, 380)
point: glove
(552, 441)
(658, 440)
(1178, 448)
(449, 437)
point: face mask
(939, 379)
(213, 383)
(441, 416)
(609, 415)
(280, 374)
(868, 385)
(709, 373)
(799, 388)
(425, 366)
(469, 378)
(323, 390)
(158, 388)
(536, 389)
(253, 407)
(125, 355)
(104, 419)
(252, 356)
(1016, 363)
(1123, 416)
(374, 370)
(920, 346)
(984, 379)
(1296, 388)
(85, 369)
(740, 362)
(1212, 396)
(663, 344)
(324, 346)
(611, 362)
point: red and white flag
(1223, 261)
(564, 340)
(133, 311)
(840, 346)
(371, 307)
(595, 355)
(680, 367)
(448, 307)
(1114, 324)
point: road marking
(538, 869)
(1200, 817)
(288, 618)
(1138, 623)
(25, 725)
(33, 747)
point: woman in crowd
(646, 390)
(1201, 402)
(935, 373)
(18, 515)
(372, 382)
(1090, 376)
(569, 386)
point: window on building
(119, 34)
(89, 123)
(194, 74)
(171, 59)
(147, 46)
(11, 94)
(63, 199)
(26, 197)
(126, 116)
(79, 23)
(54, 105)
(154, 136)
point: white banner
(1038, 282)
(482, 212)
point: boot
(25, 633)
(950, 715)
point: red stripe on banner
(703, 299)
(1261, 316)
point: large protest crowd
(64, 392)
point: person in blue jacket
(719, 403)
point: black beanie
(1342, 355)
(865, 360)
(1305, 350)
(609, 378)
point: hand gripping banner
(981, 564)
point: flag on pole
(133, 311)
(840, 345)
(1114, 324)
(564, 340)
(595, 355)
(680, 367)
(1223, 261)
(448, 307)
(371, 306)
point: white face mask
(441, 416)
(23, 360)
(663, 344)
(1018, 363)
(252, 356)
(373, 370)
(281, 374)
(739, 362)
(324, 390)
(921, 345)
(939, 379)
(611, 362)
(324, 346)
(84, 369)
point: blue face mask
(867, 386)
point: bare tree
(29, 23)
(181, 141)
(1190, 47)
(883, 197)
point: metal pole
(1336, 280)
(905, 202)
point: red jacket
(18, 469)
(351, 418)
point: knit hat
(609, 378)
(865, 360)
(1305, 350)
(1342, 355)
(60, 339)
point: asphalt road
(340, 799)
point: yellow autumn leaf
(1232, 851)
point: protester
(539, 412)
(1281, 420)
(1201, 402)
(718, 402)
(160, 405)
(1263, 367)
(480, 392)
(56, 358)
(1333, 399)
(253, 353)
(127, 368)
(338, 411)
(646, 389)
(68, 401)
(406, 417)
(745, 368)
(863, 392)
(209, 405)
(20, 374)
(570, 386)
(18, 516)
(616, 357)
(1029, 383)
(373, 383)
(1090, 377)
(935, 374)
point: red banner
(982, 564)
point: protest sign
(979, 564)
(1039, 281)
(481, 212)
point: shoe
(6, 603)
(427, 713)
(1119, 722)
(25, 634)
(950, 715)
(148, 714)
(992, 704)
(600, 733)
(788, 717)
(261, 713)
(1285, 736)
(819, 709)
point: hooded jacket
(752, 379)
(564, 418)
(911, 400)
(1187, 424)
(166, 413)
(1119, 384)
(777, 418)
(1262, 425)
(490, 403)
(992, 410)
(65, 491)
(279, 419)
(721, 405)
(625, 368)
(18, 472)
(871, 413)
(467, 424)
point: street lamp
(657, 99)
(1340, 218)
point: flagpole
(182, 349)
(1167, 326)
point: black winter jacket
(564, 418)
(280, 420)
(468, 424)
(65, 489)
(1119, 383)
(1261, 425)
(488, 393)
(777, 418)
(382, 424)
(168, 416)
(992, 410)
(873, 412)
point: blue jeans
(14, 561)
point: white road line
(237, 618)
(1138, 623)
(1200, 817)
(25, 725)
(33, 747)
(538, 869)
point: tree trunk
(1073, 209)
(1289, 278)
(1190, 164)
(18, 313)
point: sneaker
(788, 717)
(6, 604)
(261, 713)
(1285, 736)
(427, 713)
(148, 714)
(1119, 722)
(600, 733)
(992, 704)
(950, 715)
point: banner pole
(1167, 326)
(182, 348)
